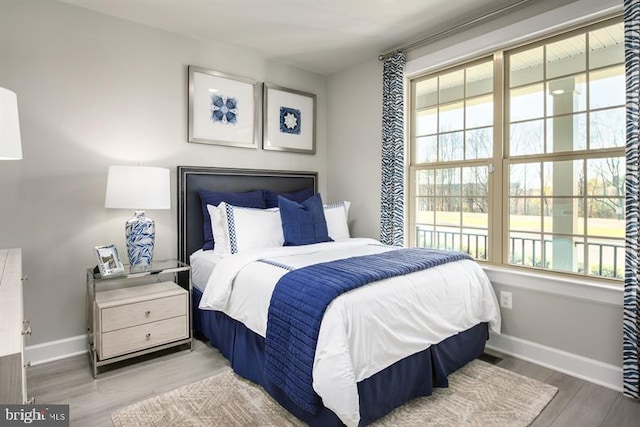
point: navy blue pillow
(250, 199)
(303, 223)
(271, 197)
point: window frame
(414, 167)
(498, 230)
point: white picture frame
(223, 109)
(109, 263)
(289, 120)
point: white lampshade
(10, 145)
(138, 187)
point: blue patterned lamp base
(140, 233)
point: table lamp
(139, 188)
(10, 145)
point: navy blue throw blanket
(300, 299)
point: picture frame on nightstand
(109, 263)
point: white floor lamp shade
(139, 188)
(10, 145)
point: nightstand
(138, 312)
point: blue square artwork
(290, 120)
(224, 109)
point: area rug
(479, 394)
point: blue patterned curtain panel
(392, 203)
(631, 300)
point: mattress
(202, 264)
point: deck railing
(474, 244)
(523, 251)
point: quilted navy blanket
(300, 299)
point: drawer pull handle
(27, 331)
(148, 336)
(28, 364)
(147, 313)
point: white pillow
(245, 229)
(336, 215)
(218, 230)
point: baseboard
(594, 371)
(591, 370)
(55, 350)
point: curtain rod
(458, 27)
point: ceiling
(323, 36)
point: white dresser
(13, 378)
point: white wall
(567, 325)
(94, 91)
(355, 134)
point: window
(452, 156)
(518, 158)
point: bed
(382, 370)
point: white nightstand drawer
(128, 315)
(123, 341)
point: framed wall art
(289, 120)
(223, 109)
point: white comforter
(365, 330)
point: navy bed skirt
(413, 376)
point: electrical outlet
(506, 299)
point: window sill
(575, 288)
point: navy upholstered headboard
(193, 178)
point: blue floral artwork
(290, 120)
(224, 109)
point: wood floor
(69, 381)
